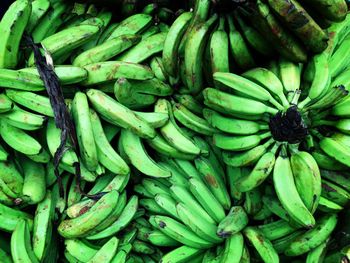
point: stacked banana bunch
(253, 168)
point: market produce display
(203, 131)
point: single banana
(82, 225)
(172, 132)
(105, 152)
(332, 10)
(157, 238)
(307, 178)
(145, 49)
(167, 204)
(192, 121)
(335, 193)
(277, 229)
(124, 219)
(12, 26)
(313, 237)
(14, 79)
(268, 80)
(232, 104)
(179, 232)
(290, 75)
(39, 9)
(233, 249)
(309, 32)
(208, 201)
(106, 50)
(21, 248)
(286, 190)
(181, 254)
(318, 253)
(157, 67)
(138, 156)
(117, 114)
(219, 49)
(107, 252)
(34, 185)
(260, 172)
(198, 225)
(239, 143)
(238, 47)
(42, 226)
(233, 223)
(172, 43)
(262, 245)
(18, 139)
(134, 24)
(66, 74)
(246, 158)
(101, 72)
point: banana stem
(310, 142)
(265, 135)
(296, 97)
(268, 143)
(293, 148)
(323, 122)
(221, 24)
(275, 147)
(276, 103)
(302, 104)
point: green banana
(82, 225)
(123, 220)
(290, 75)
(313, 237)
(239, 143)
(233, 249)
(138, 156)
(198, 225)
(238, 47)
(106, 50)
(21, 248)
(6, 103)
(172, 132)
(82, 121)
(335, 193)
(332, 10)
(65, 41)
(145, 49)
(172, 43)
(307, 178)
(219, 49)
(277, 229)
(23, 119)
(42, 226)
(286, 190)
(107, 252)
(328, 206)
(12, 26)
(281, 244)
(14, 79)
(34, 184)
(259, 173)
(309, 32)
(262, 245)
(208, 201)
(39, 9)
(233, 223)
(268, 80)
(18, 139)
(134, 24)
(194, 50)
(181, 254)
(179, 232)
(318, 253)
(117, 114)
(106, 155)
(232, 104)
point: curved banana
(84, 224)
(313, 237)
(277, 229)
(290, 75)
(172, 43)
(119, 115)
(233, 223)
(6, 103)
(194, 50)
(124, 219)
(262, 245)
(18, 139)
(181, 254)
(12, 27)
(172, 133)
(21, 248)
(18, 80)
(233, 249)
(107, 252)
(287, 192)
(39, 9)
(179, 232)
(106, 50)
(105, 152)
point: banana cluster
(203, 135)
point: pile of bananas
(216, 134)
